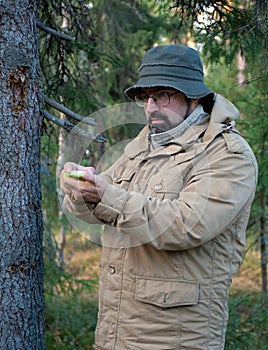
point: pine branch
(248, 81)
(54, 32)
(71, 128)
(68, 112)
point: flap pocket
(168, 185)
(166, 293)
(123, 173)
(123, 176)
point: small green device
(76, 174)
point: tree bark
(21, 226)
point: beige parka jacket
(175, 234)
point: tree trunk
(241, 65)
(60, 163)
(21, 227)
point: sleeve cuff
(111, 205)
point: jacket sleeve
(220, 186)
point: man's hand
(89, 188)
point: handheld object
(76, 174)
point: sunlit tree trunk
(61, 146)
(62, 229)
(241, 65)
(21, 266)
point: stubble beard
(165, 126)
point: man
(176, 207)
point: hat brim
(187, 87)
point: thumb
(89, 176)
(90, 169)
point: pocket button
(111, 269)
(158, 187)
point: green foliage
(225, 28)
(71, 305)
(70, 320)
(69, 65)
(248, 323)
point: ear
(195, 102)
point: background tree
(21, 265)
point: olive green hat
(172, 66)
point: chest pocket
(165, 185)
(123, 176)
(158, 182)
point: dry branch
(71, 128)
(68, 112)
(54, 32)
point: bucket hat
(173, 66)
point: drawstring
(149, 141)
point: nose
(151, 106)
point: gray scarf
(160, 139)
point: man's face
(163, 118)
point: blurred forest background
(90, 52)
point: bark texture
(21, 227)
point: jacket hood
(223, 111)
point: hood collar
(223, 111)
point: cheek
(181, 109)
(176, 114)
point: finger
(70, 166)
(99, 183)
(64, 184)
(89, 176)
(91, 169)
